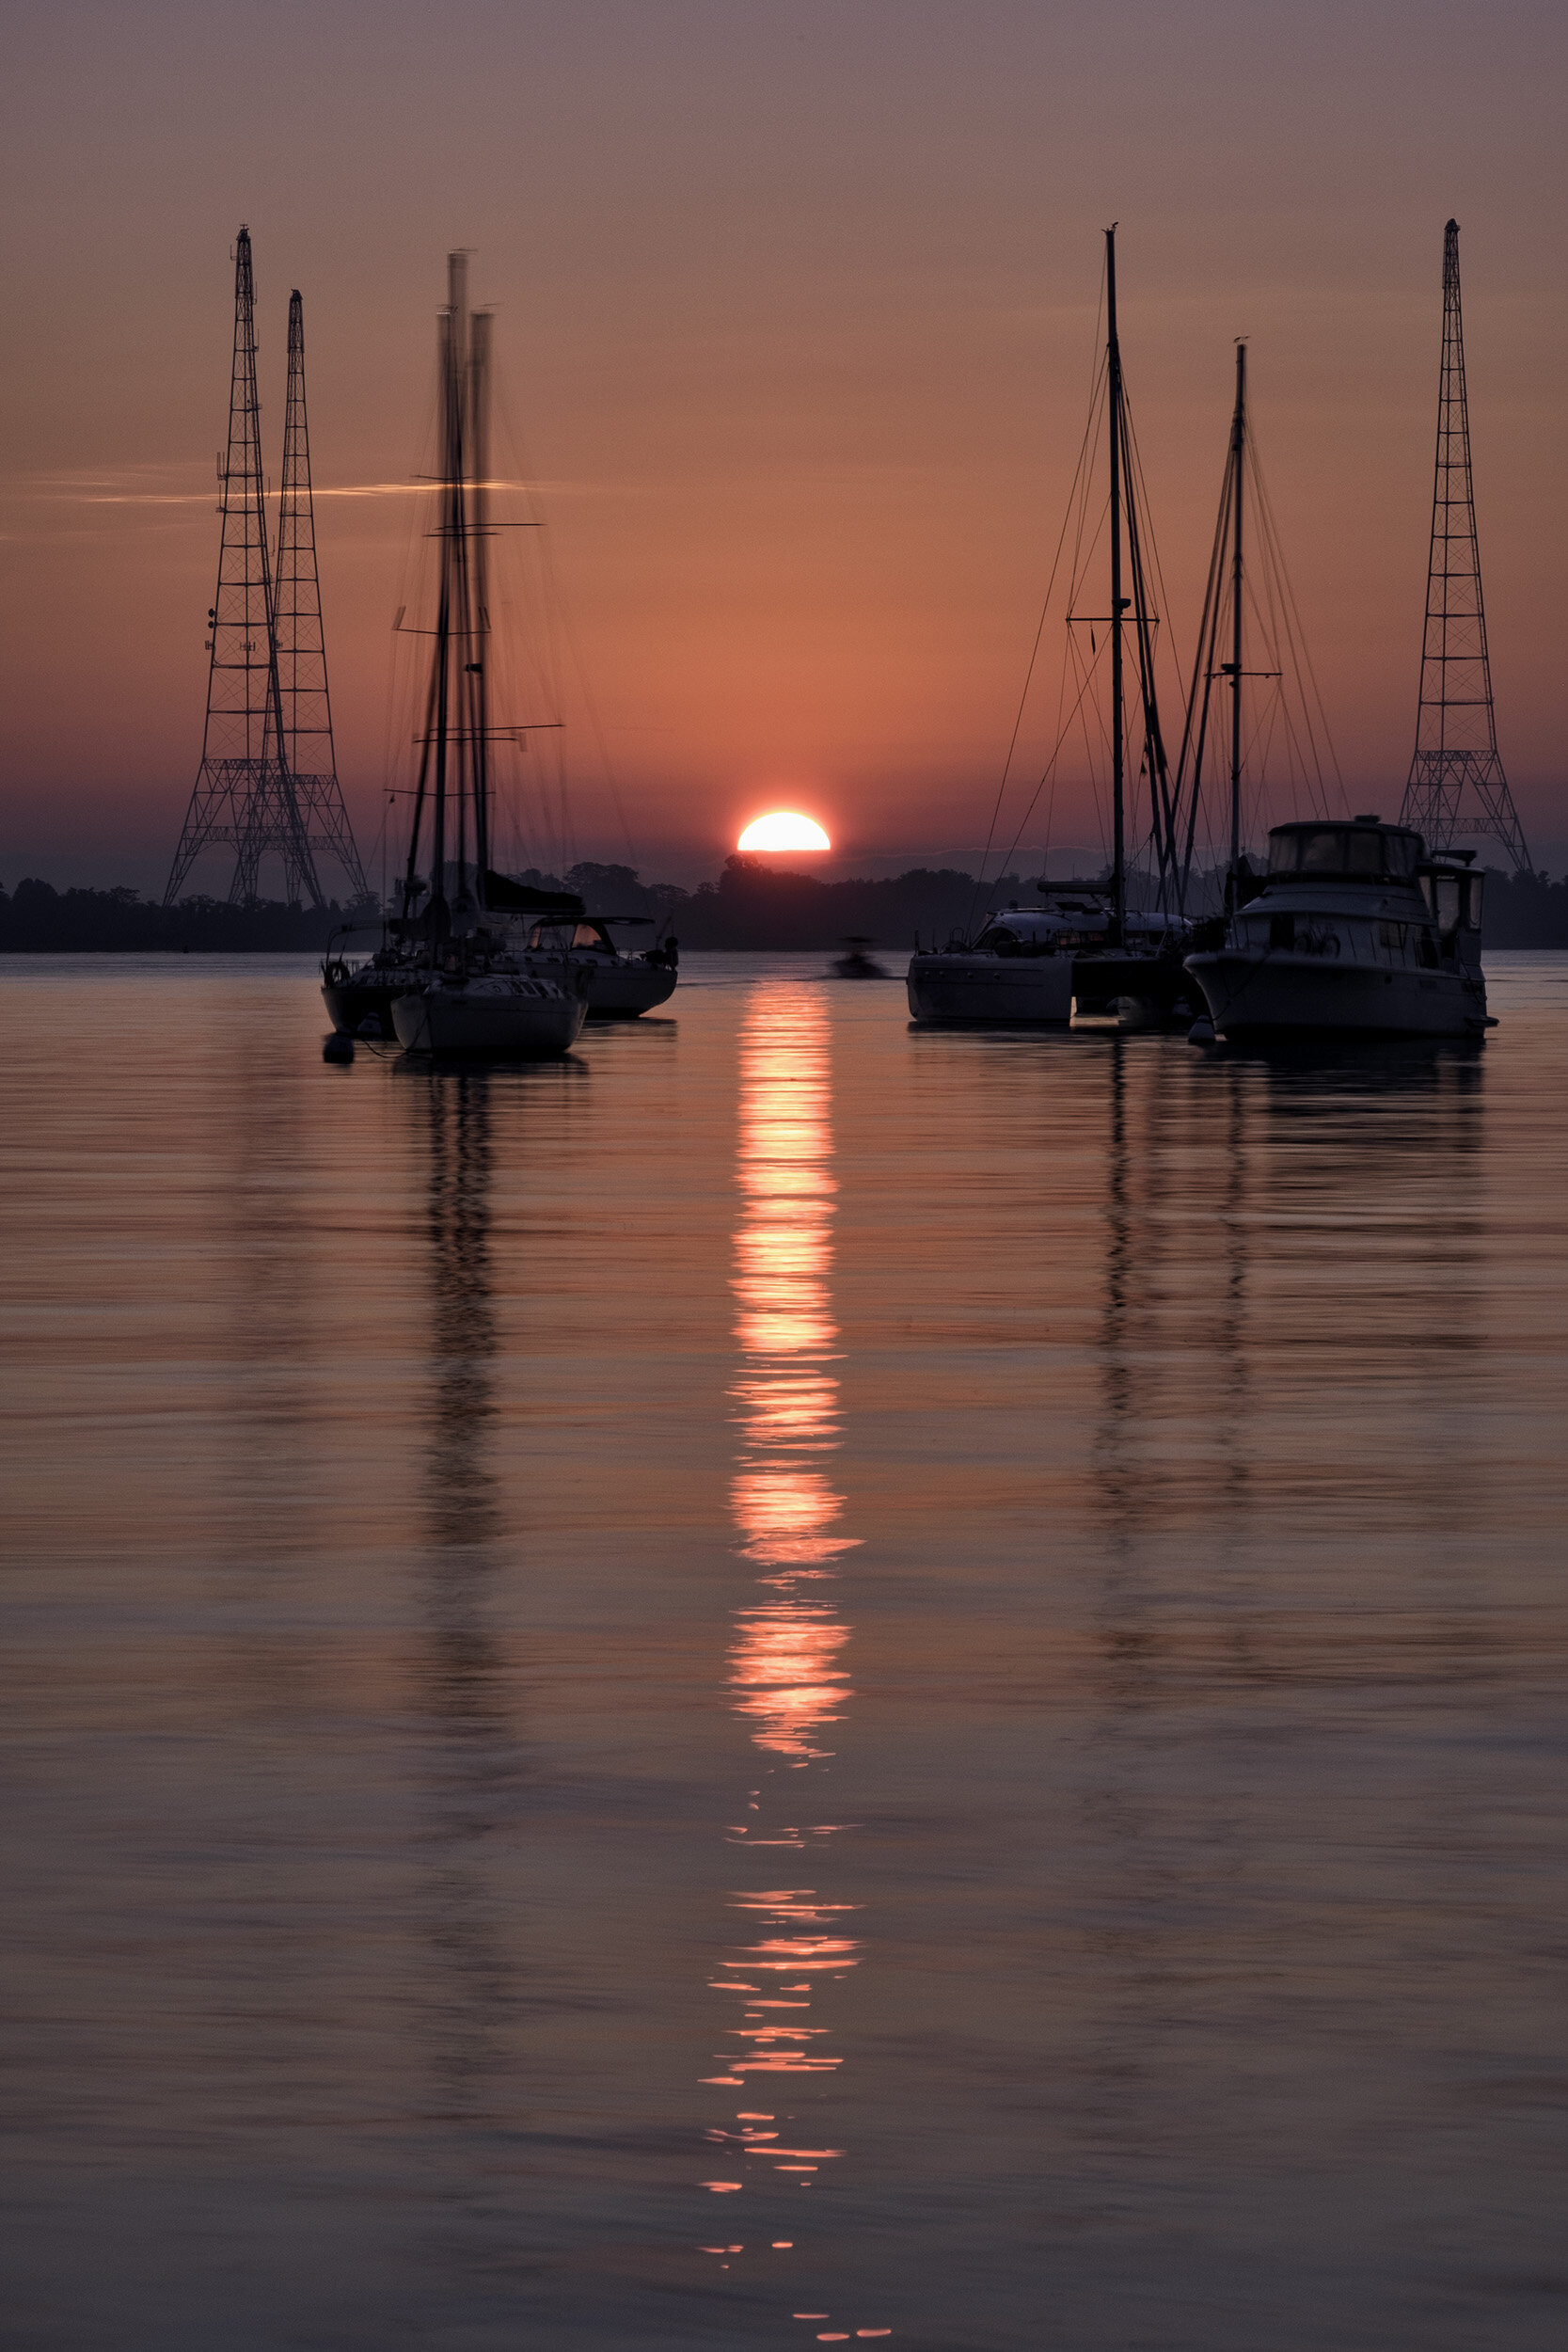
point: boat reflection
(472, 1757)
(788, 1666)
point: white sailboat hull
(1260, 991)
(498, 1017)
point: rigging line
(556, 589)
(1203, 665)
(1079, 502)
(1155, 763)
(1293, 622)
(1143, 527)
(1029, 673)
(1050, 766)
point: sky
(796, 303)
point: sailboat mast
(1238, 476)
(1118, 865)
(457, 549)
(479, 446)
(439, 923)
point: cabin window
(1322, 853)
(1344, 849)
(1475, 891)
(1282, 930)
(1426, 951)
(1392, 935)
(1445, 901)
(588, 935)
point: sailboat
(1353, 926)
(449, 978)
(1084, 956)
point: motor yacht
(1354, 928)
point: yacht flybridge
(1354, 928)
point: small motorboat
(855, 965)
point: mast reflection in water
(472, 1756)
(788, 1671)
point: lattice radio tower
(1457, 785)
(245, 795)
(303, 698)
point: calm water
(790, 1682)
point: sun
(783, 829)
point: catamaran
(1084, 956)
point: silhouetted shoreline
(752, 907)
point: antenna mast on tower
(1457, 785)
(305, 706)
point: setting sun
(783, 829)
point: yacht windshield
(1358, 849)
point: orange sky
(795, 306)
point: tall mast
(1238, 475)
(479, 447)
(1118, 865)
(456, 545)
(439, 916)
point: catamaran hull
(1136, 991)
(361, 1012)
(1001, 990)
(1259, 994)
(454, 1022)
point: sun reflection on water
(788, 1667)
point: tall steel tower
(307, 708)
(1457, 785)
(243, 794)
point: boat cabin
(1362, 850)
(565, 934)
(1058, 928)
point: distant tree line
(757, 906)
(752, 905)
(35, 918)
